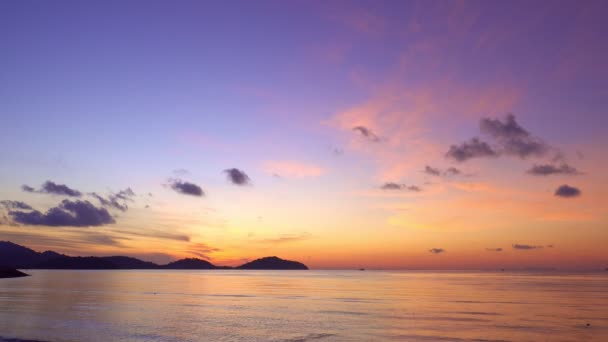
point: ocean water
(228, 305)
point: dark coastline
(24, 258)
(6, 272)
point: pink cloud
(293, 169)
(360, 20)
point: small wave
(308, 337)
(357, 313)
(415, 337)
(480, 313)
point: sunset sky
(405, 134)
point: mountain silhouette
(13, 256)
(17, 256)
(273, 263)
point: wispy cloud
(494, 249)
(181, 172)
(366, 133)
(436, 250)
(286, 238)
(116, 200)
(154, 234)
(433, 171)
(53, 188)
(15, 205)
(525, 247)
(396, 186)
(548, 169)
(293, 169)
(202, 250)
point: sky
(342, 134)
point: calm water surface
(304, 306)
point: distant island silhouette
(6, 272)
(14, 256)
(273, 263)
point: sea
(294, 306)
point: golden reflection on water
(229, 305)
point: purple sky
(113, 95)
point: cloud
(509, 129)
(202, 250)
(494, 249)
(181, 172)
(473, 148)
(148, 233)
(286, 238)
(237, 176)
(452, 171)
(337, 151)
(59, 189)
(125, 194)
(186, 188)
(291, 169)
(436, 250)
(396, 186)
(513, 138)
(567, 191)
(510, 138)
(548, 169)
(113, 200)
(366, 133)
(27, 188)
(15, 205)
(52, 188)
(432, 171)
(67, 213)
(525, 247)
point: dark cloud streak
(548, 169)
(525, 247)
(366, 133)
(432, 171)
(396, 186)
(436, 250)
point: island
(6, 272)
(19, 257)
(273, 263)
